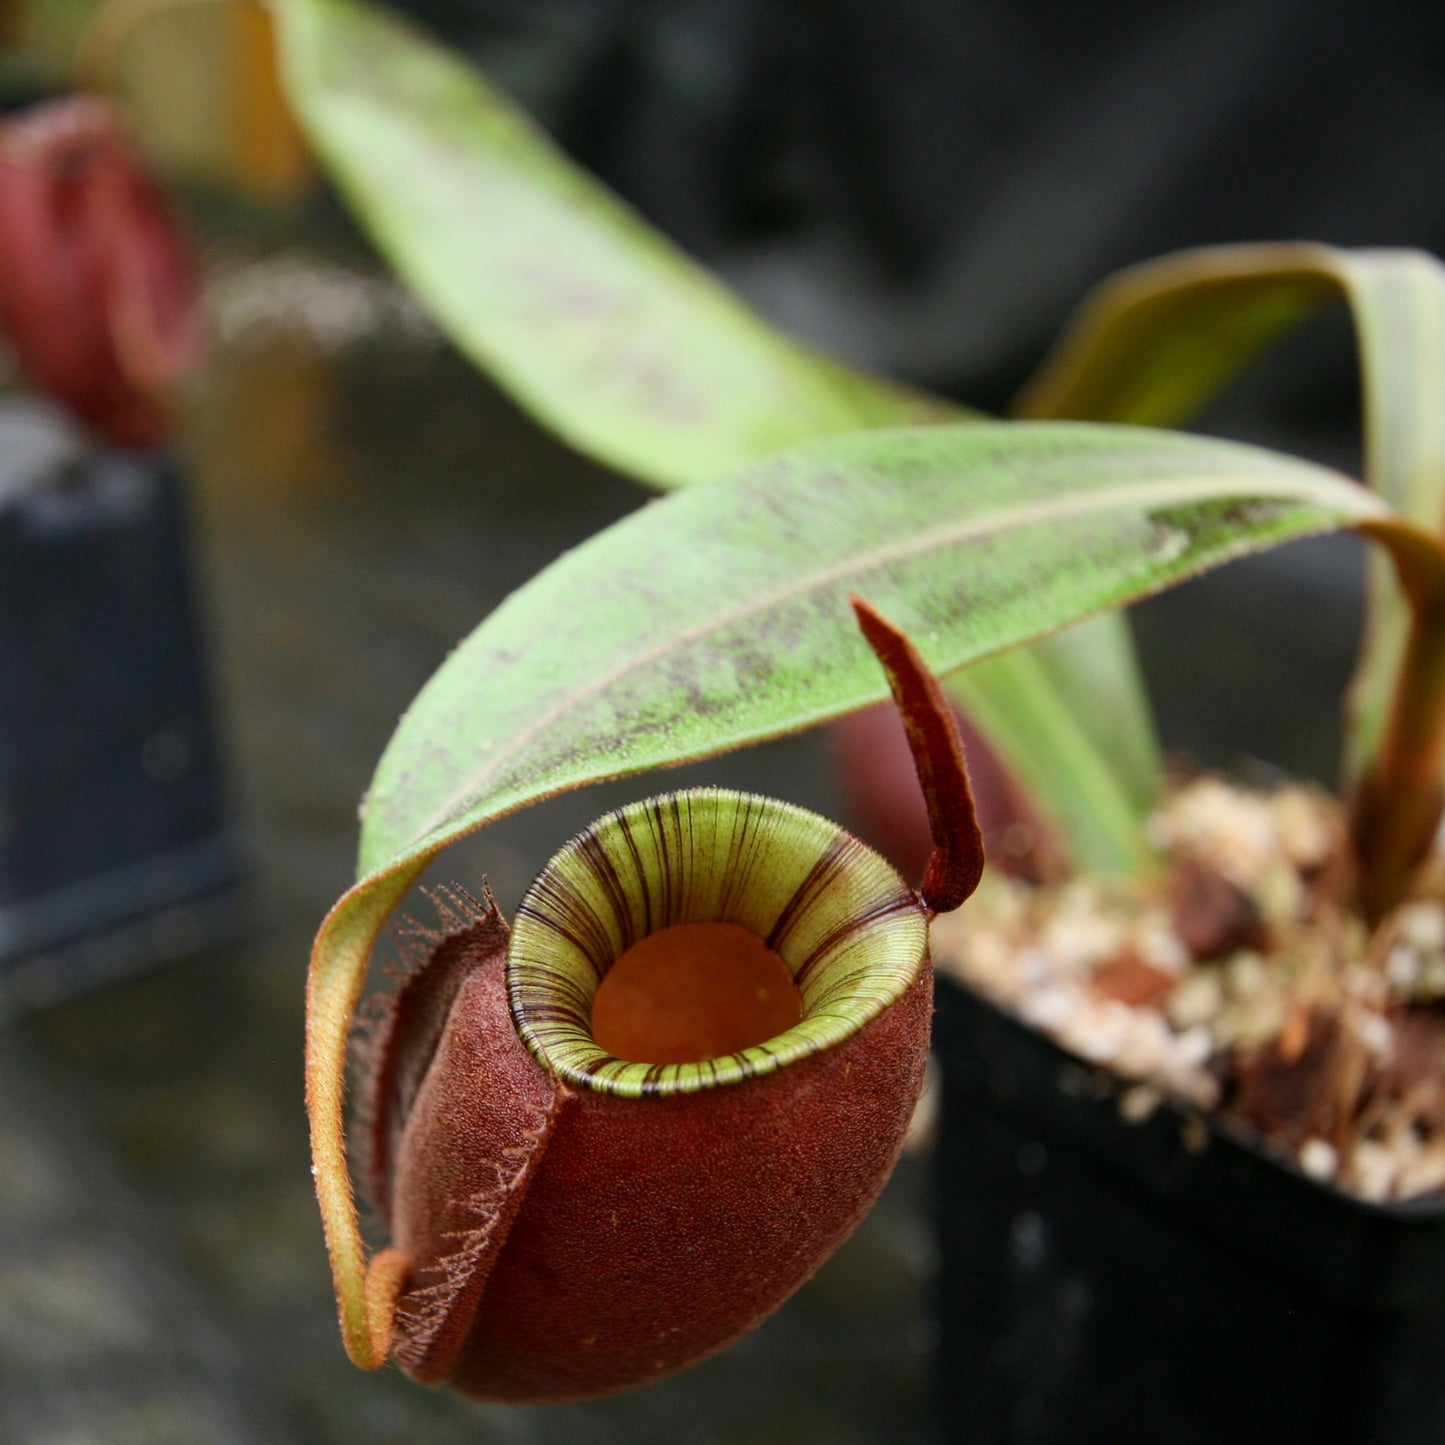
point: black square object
(1161, 1282)
(115, 846)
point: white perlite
(1101, 966)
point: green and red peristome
(578, 1223)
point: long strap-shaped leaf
(1152, 344)
(595, 322)
(720, 617)
(610, 336)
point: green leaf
(611, 337)
(1095, 807)
(720, 616)
(713, 619)
(1152, 344)
(593, 321)
(1094, 665)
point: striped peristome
(852, 934)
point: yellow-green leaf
(593, 321)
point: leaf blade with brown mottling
(718, 617)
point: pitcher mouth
(850, 933)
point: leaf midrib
(1182, 489)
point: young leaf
(1152, 344)
(719, 617)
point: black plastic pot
(1165, 1281)
(115, 843)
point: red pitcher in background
(97, 290)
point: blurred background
(926, 186)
